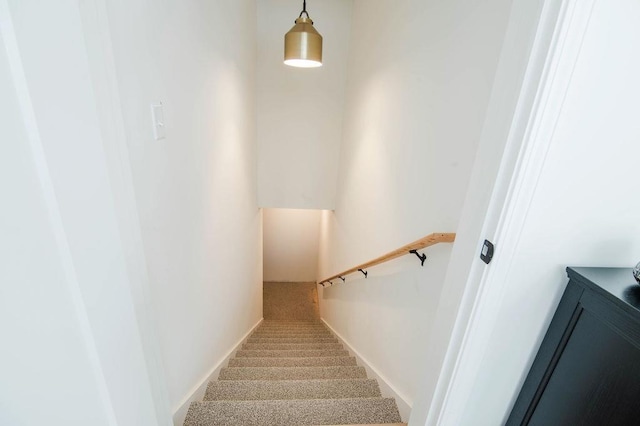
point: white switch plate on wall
(157, 115)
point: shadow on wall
(290, 301)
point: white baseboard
(197, 393)
(387, 390)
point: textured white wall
(583, 211)
(290, 244)
(299, 111)
(196, 189)
(413, 117)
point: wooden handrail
(427, 241)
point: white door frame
(557, 44)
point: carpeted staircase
(292, 373)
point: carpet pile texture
(292, 373)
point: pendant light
(303, 44)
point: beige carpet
(292, 373)
(290, 301)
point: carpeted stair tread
(291, 334)
(293, 327)
(371, 424)
(292, 373)
(292, 330)
(292, 340)
(295, 333)
(315, 353)
(293, 412)
(292, 362)
(291, 346)
(242, 390)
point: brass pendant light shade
(303, 44)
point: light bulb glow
(302, 63)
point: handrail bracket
(422, 256)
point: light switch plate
(157, 115)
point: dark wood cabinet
(587, 370)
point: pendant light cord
(304, 9)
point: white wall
(523, 54)
(74, 350)
(582, 211)
(299, 111)
(414, 114)
(196, 189)
(43, 340)
(291, 238)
